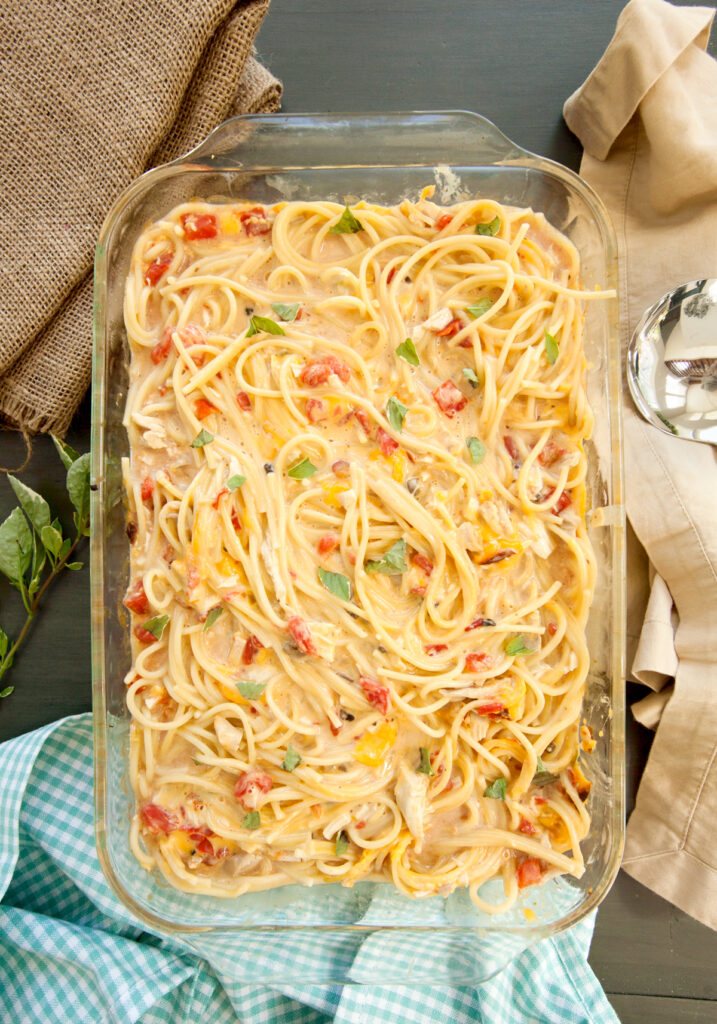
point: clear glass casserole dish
(382, 158)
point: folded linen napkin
(92, 95)
(647, 118)
(72, 952)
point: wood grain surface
(514, 62)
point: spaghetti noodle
(360, 568)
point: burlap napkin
(647, 118)
(91, 95)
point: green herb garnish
(516, 646)
(336, 584)
(425, 767)
(471, 376)
(156, 626)
(286, 311)
(212, 617)
(347, 224)
(263, 323)
(497, 789)
(234, 482)
(252, 821)
(480, 308)
(407, 350)
(491, 227)
(476, 449)
(663, 419)
(202, 438)
(393, 562)
(552, 349)
(292, 759)
(396, 413)
(342, 843)
(302, 470)
(249, 689)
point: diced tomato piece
(250, 787)
(244, 400)
(477, 623)
(255, 221)
(376, 693)
(215, 503)
(317, 371)
(390, 275)
(551, 453)
(202, 844)
(136, 599)
(478, 662)
(449, 399)
(562, 503)
(162, 349)
(529, 872)
(450, 329)
(423, 562)
(465, 343)
(193, 577)
(251, 649)
(511, 447)
(335, 729)
(203, 408)
(499, 556)
(157, 268)
(443, 221)
(328, 543)
(539, 800)
(494, 707)
(144, 636)
(526, 827)
(386, 443)
(552, 628)
(158, 819)
(235, 520)
(147, 488)
(192, 334)
(301, 635)
(199, 225)
(364, 420)
(316, 409)
(341, 467)
(433, 649)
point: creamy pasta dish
(360, 572)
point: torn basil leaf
(491, 227)
(252, 821)
(471, 376)
(291, 760)
(249, 689)
(234, 482)
(302, 470)
(212, 617)
(552, 349)
(476, 449)
(393, 562)
(342, 843)
(407, 350)
(347, 224)
(425, 767)
(336, 584)
(497, 789)
(156, 626)
(286, 311)
(202, 438)
(479, 309)
(263, 323)
(516, 646)
(396, 413)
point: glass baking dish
(382, 158)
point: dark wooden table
(514, 62)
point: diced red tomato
(301, 635)
(562, 503)
(477, 623)
(316, 409)
(203, 408)
(192, 334)
(244, 400)
(147, 488)
(376, 693)
(550, 454)
(449, 399)
(526, 827)
(341, 467)
(529, 872)
(390, 275)
(162, 349)
(478, 662)
(465, 343)
(494, 707)
(450, 329)
(364, 420)
(158, 819)
(136, 599)
(144, 636)
(251, 649)
(317, 371)
(511, 447)
(386, 443)
(193, 577)
(443, 221)
(235, 520)
(335, 729)
(423, 562)
(433, 649)
(157, 268)
(215, 503)
(202, 844)
(199, 225)
(328, 543)
(255, 221)
(250, 787)
(552, 628)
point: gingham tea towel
(70, 952)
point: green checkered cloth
(71, 952)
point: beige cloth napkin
(91, 95)
(647, 118)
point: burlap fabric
(93, 92)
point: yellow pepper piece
(373, 746)
(332, 491)
(229, 222)
(513, 698)
(551, 820)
